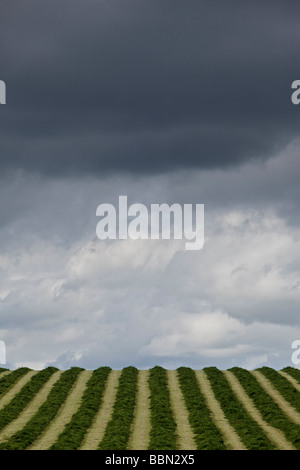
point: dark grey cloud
(145, 87)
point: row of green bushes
(268, 409)
(9, 380)
(74, 432)
(45, 414)
(284, 387)
(12, 410)
(207, 435)
(118, 429)
(163, 427)
(293, 372)
(248, 430)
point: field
(155, 409)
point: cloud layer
(67, 297)
(165, 102)
(146, 87)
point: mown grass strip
(185, 435)
(141, 426)
(10, 379)
(275, 435)
(96, 431)
(74, 432)
(295, 373)
(268, 409)
(289, 410)
(247, 428)
(291, 379)
(206, 435)
(24, 396)
(163, 427)
(283, 386)
(45, 414)
(231, 438)
(64, 416)
(29, 410)
(118, 429)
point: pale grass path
(274, 435)
(231, 438)
(185, 435)
(30, 410)
(65, 413)
(97, 429)
(290, 379)
(287, 409)
(3, 374)
(16, 388)
(141, 426)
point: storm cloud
(150, 86)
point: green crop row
(248, 430)
(293, 372)
(283, 386)
(207, 435)
(163, 426)
(9, 380)
(25, 395)
(269, 410)
(118, 428)
(74, 432)
(45, 414)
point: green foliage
(74, 432)
(25, 395)
(283, 386)
(45, 414)
(118, 428)
(9, 380)
(248, 430)
(207, 435)
(269, 410)
(163, 426)
(293, 372)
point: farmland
(155, 409)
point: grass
(269, 410)
(45, 414)
(163, 427)
(206, 434)
(118, 428)
(9, 380)
(74, 432)
(293, 372)
(248, 430)
(25, 395)
(283, 386)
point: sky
(163, 101)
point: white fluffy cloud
(68, 298)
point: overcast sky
(162, 101)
